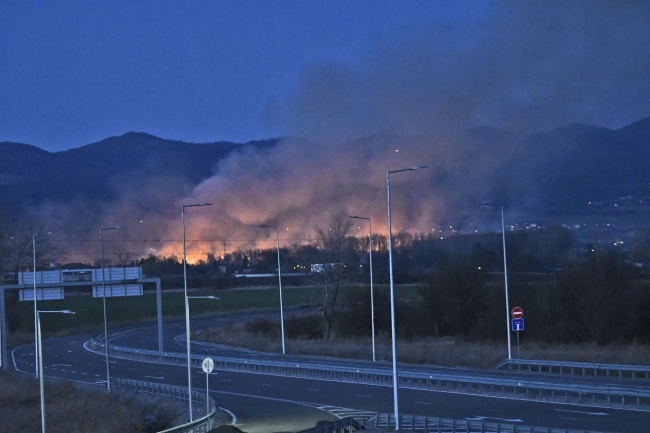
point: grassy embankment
(75, 408)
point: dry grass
(441, 351)
(73, 408)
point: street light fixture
(187, 307)
(372, 296)
(505, 274)
(101, 238)
(35, 307)
(277, 244)
(40, 359)
(392, 292)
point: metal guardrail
(157, 390)
(593, 395)
(633, 372)
(339, 426)
(423, 424)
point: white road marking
(155, 377)
(363, 395)
(483, 418)
(422, 402)
(584, 413)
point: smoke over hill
(296, 184)
(420, 96)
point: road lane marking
(484, 418)
(363, 395)
(582, 412)
(311, 389)
(155, 377)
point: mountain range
(29, 175)
(569, 170)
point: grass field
(137, 309)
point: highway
(267, 403)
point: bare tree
(334, 249)
(123, 257)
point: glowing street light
(372, 296)
(277, 244)
(35, 307)
(392, 293)
(39, 354)
(101, 239)
(187, 307)
(505, 275)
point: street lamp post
(3, 331)
(187, 307)
(101, 240)
(505, 274)
(40, 359)
(277, 244)
(392, 293)
(35, 307)
(372, 296)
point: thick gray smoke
(520, 66)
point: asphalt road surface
(266, 403)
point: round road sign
(207, 365)
(517, 313)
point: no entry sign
(517, 313)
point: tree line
(570, 293)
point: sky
(354, 88)
(79, 71)
(76, 72)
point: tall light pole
(40, 359)
(505, 274)
(187, 307)
(277, 245)
(101, 241)
(372, 296)
(35, 307)
(392, 293)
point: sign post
(517, 323)
(207, 365)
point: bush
(70, 407)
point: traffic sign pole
(207, 365)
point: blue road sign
(518, 324)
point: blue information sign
(518, 324)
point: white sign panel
(50, 294)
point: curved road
(266, 403)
